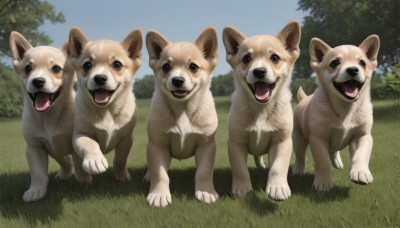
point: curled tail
(301, 94)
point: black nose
(352, 71)
(38, 82)
(260, 72)
(100, 79)
(178, 81)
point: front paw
(34, 193)
(361, 176)
(241, 188)
(63, 175)
(123, 176)
(278, 191)
(323, 183)
(95, 164)
(298, 169)
(336, 160)
(159, 198)
(207, 197)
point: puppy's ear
(155, 44)
(318, 49)
(290, 38)
(208, 44)
(232, 39)
(65, 48)
(77, 41)
(370, 46)
(18, 47)
(133, 43)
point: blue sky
(177, 20)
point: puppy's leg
(300, 144)
(80, 174)
(38, 162)
(323, 176)
(258, 160)
(241, 183)
(360, 152)
(279, 160)
(158, 159)
(94, 161)
(121, 156)
(204, 185)
(336, 160)
(65, 167)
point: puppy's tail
(301, 94)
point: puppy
(261, 117)
(182, 120)
(339, 113)
(47, 83)
(105, 104)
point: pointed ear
(232, 39)
(290, 38)
(208, 44)
(133, 43)
(370, 46)
(155, 44)
(77, 41)
(18, 47)
(318, 50)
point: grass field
(107, 203)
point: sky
(177, 20)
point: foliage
(11, 97)
(392, 82)
(144, 88)
(223, 85)
(350, 22)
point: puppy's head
(43, 70)
(345, 71)
(181, 69)
(105, 68)
(262, 64)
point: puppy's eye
(87, 66)
(166, 67)
(56, 69)
(246, 59)
(117, 65)
(193, 67)
(275, 58)
(28, 69)
(362, 63)
(334, 63)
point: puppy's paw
(323, 184)
(241, 189)
(159, 199)
(83, 177)
(123, 176)
(278, 192)
(259, 162)
(95, 164)
(336, 160)
(34, 193)
(298, 170)
(146, 177)
(207, 197)
(63, 174)
(361, 176)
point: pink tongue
(101, 96)
(262, 91)
(350, 90)
(42, 101)
(180, 93)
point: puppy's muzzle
(100, 79)
(260, 72)
(178, 81)
(38, 82)
(352, 71)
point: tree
(350, 22)
(144, 88)
(222, 85)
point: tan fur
(47, 129)
(182, 120)
(104, 124)
(261, 125)
(301, 94)
(328, 120)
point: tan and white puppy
(339, 113)
(47, 83)
(105, 108)
(261, 117)
(182, 120)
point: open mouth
(102, 96)
(42, 101)
(180, 93)
(262, 91)
(350, 89)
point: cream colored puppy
(105, 108)
(47, 83)
(339, 113)
(182, 120)
(261, 117)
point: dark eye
(334, 63)
(56, 69)
(246, 59)
(362, 63)
(28, 69)
(166, 67)
(193, 67)
(86, 66)
(275, 58)
(117, 65)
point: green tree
(222, 85)
(350, 22)
(144, 88)
(392, 82)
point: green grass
(107, 203)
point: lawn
(107, 203)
